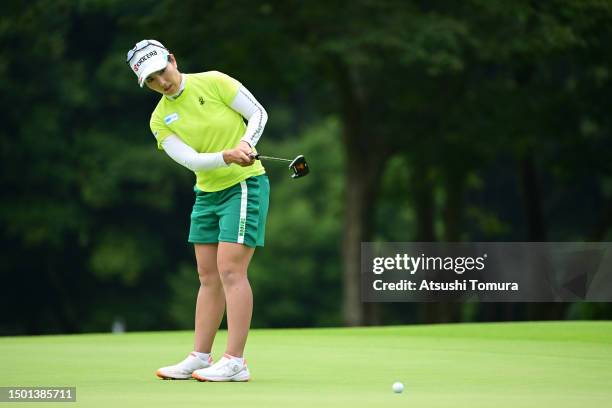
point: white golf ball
(398, 387)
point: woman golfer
(199, 123)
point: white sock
(202, 356)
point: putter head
(299, 167)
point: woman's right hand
(238, 157)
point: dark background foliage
(422, 121)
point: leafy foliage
(458, 102)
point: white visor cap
(147, 57)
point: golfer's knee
(208, 276)
(231, 273)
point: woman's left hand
(248, 150)
(245, 147)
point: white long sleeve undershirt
(186, 156)
(245, 104)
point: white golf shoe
(183, 370)
(226, 369)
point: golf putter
(297, 165)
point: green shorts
(236, 214)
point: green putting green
(543, 364)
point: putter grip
(255, 156)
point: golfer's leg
(233, 261)
(211, 299)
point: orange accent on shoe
(197, 377)
(230, 356)
(163, 377)
(202, 379)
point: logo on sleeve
(171, 118)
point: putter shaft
(260, 157)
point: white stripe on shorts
(243, 212)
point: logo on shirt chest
(202, 101)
